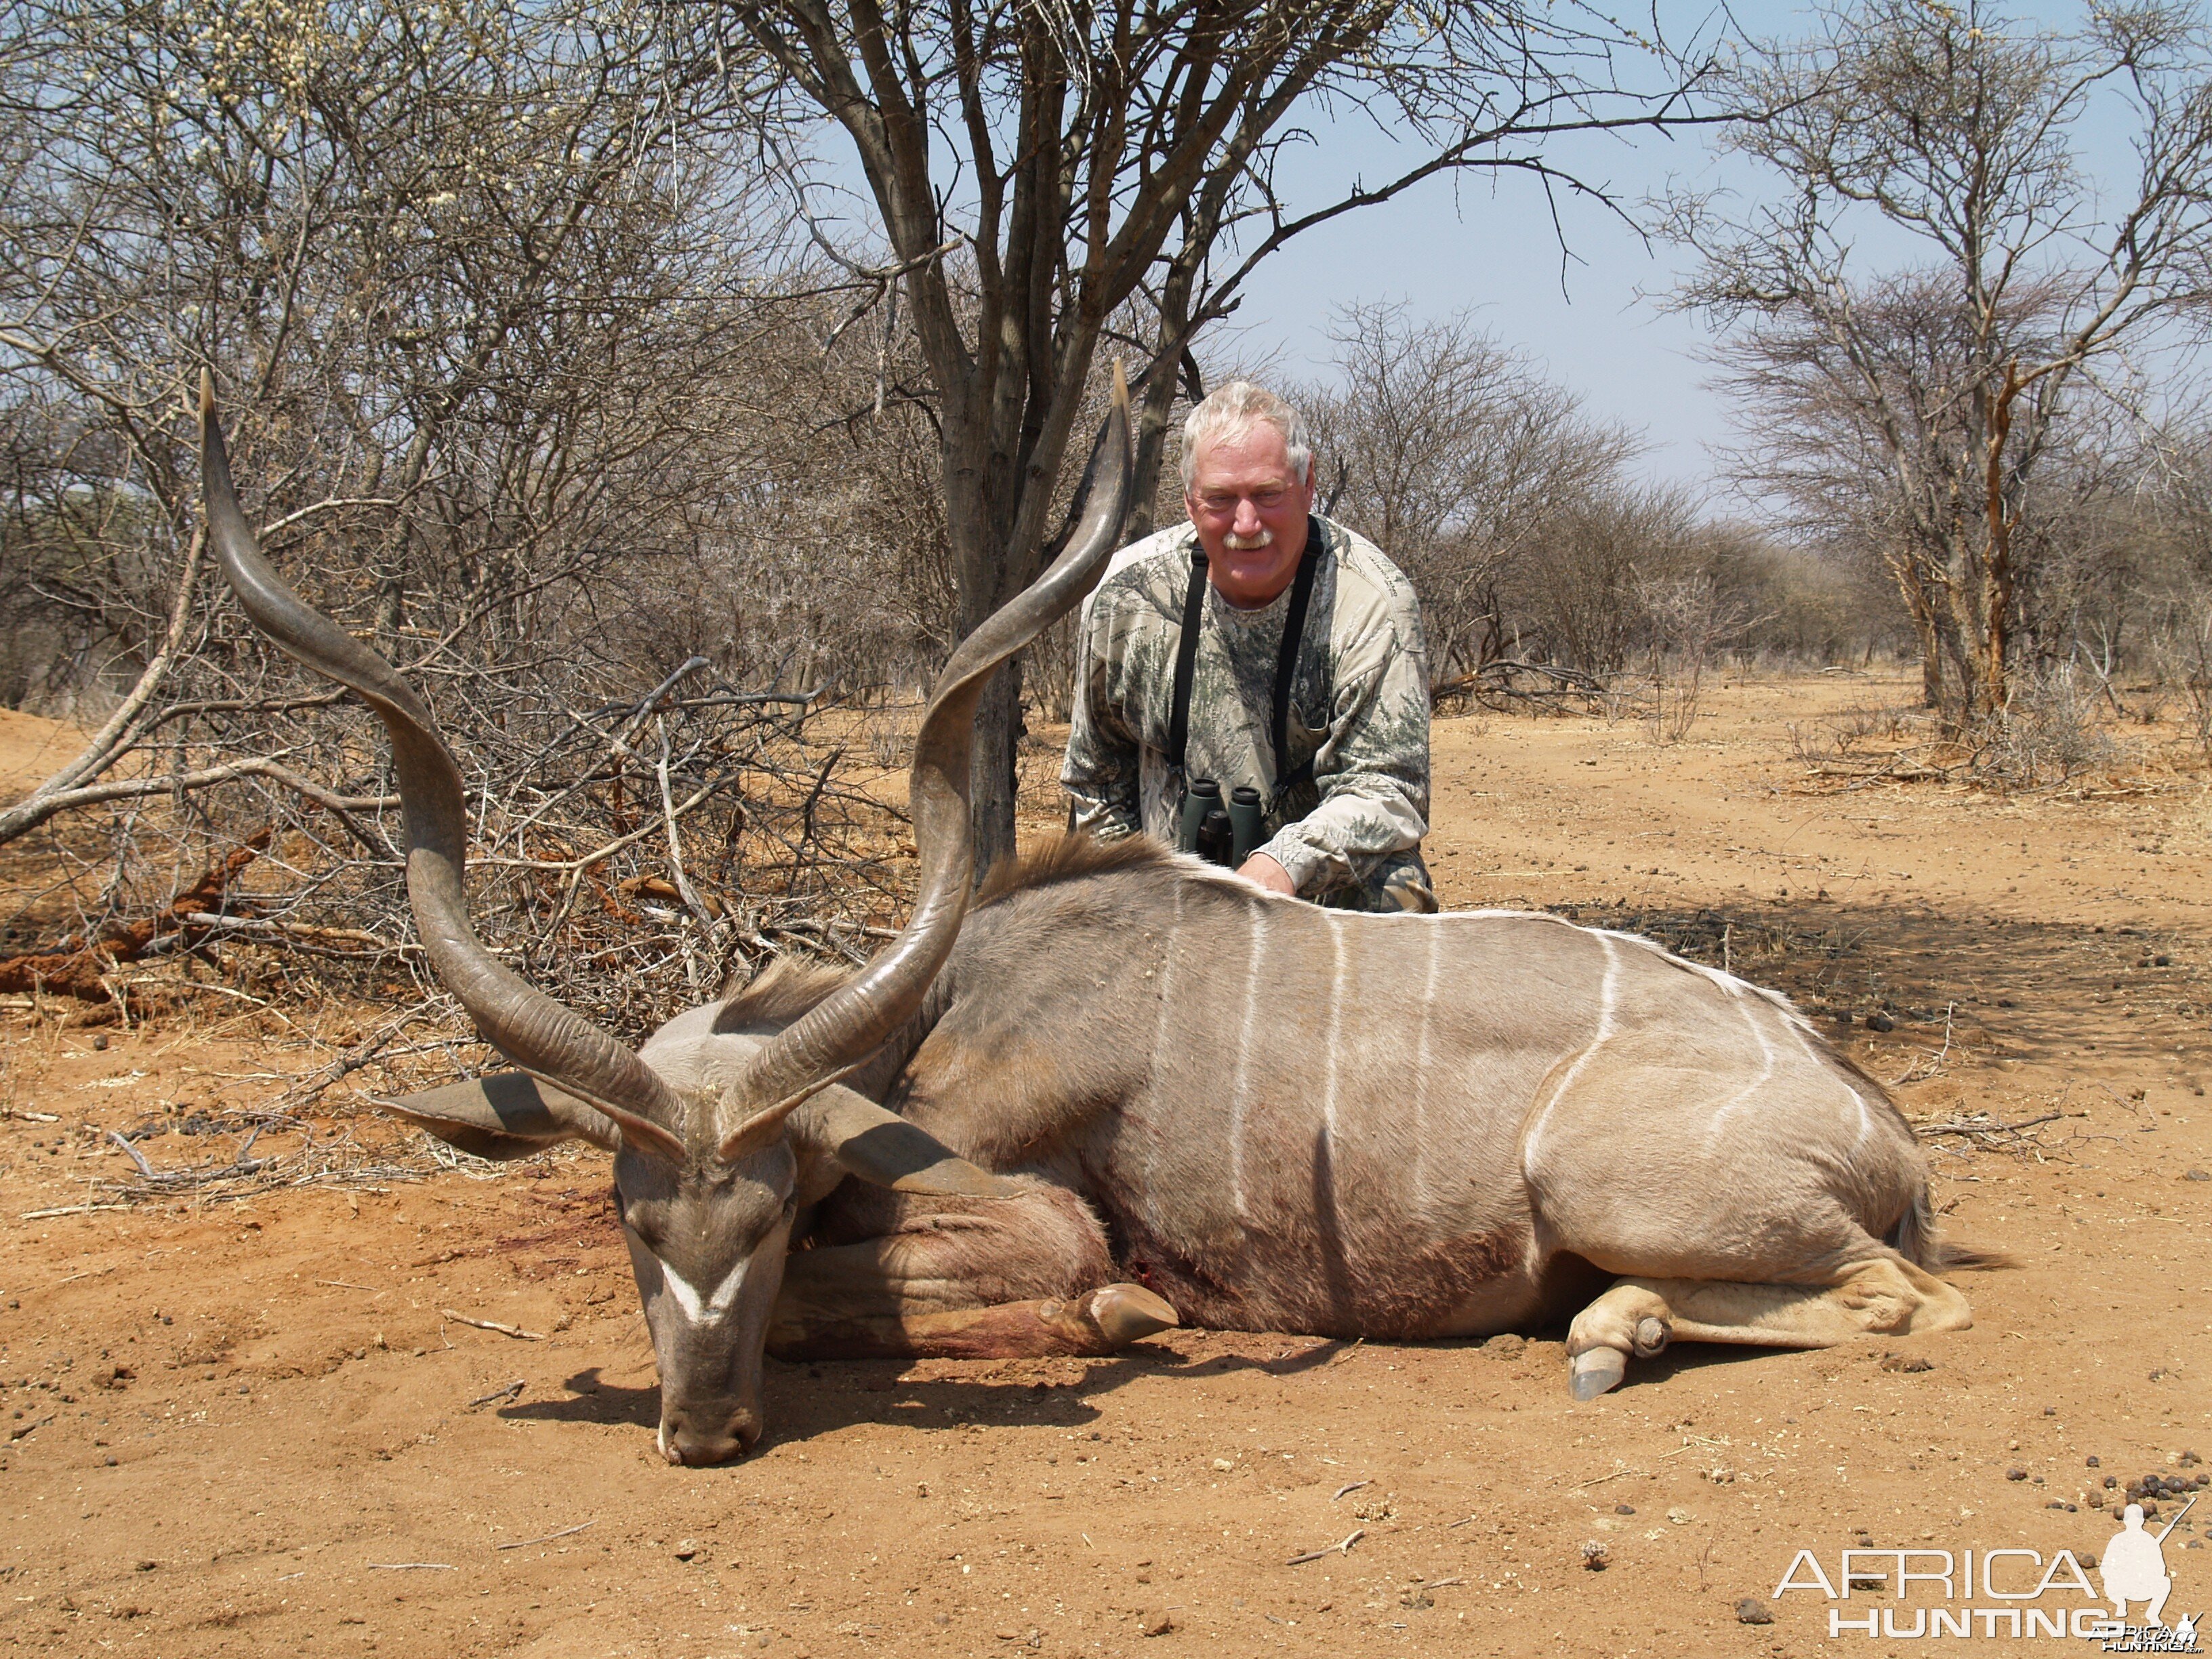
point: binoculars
(1219, 835)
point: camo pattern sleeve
(1128, 625)
(1372, 767)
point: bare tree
(466, 367)
(1581, 591)
(1077, 158)
(485, 293)
(1925, 401)
(1455, 454)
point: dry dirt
(252, 1427)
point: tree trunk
(1152, 419)
(1992, 690)
(1158, 404)
(988, 572)
(993, 770)
(1931, 657)
(1905, 569)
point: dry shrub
(2049, 733)
(1852, 732)
(2181, 638)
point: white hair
(1230, 408)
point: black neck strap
(1194, 607)
(1286, 662)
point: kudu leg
(983, 1279)
(1641, 1316)
(1105, 1320)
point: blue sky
(1493, 251)
(1485, 243)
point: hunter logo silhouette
(2134, 1564)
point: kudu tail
(1915, 1238)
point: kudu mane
(1069, 857)
(779, 993)
(792, 986)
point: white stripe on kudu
(687, 1295)
(1421, 1072)
(1754, 1014)
(1336, 1020)
(1240, 1095)
(1164, 1048)
(1608, 998)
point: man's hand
(1263, 872)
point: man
(1345, 801)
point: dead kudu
(1119, 1065)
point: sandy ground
(32, 751)
(256, 1428)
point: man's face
(1251, 512)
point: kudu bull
(1121, 1065)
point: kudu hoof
(1129, 1313)
(1595, 1371)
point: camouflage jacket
(1359, 707)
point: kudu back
(1126, 1088)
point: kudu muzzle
(707, 1341)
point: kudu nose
(691, 1442)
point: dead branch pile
(1984, 1132)
(310, 1155)
(1506, 683)
(628, 855)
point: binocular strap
(1286, 661)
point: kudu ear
(884, 1149)
(506, 1115)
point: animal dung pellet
(2016, 1472)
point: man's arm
(1372, 769)
(1101, 769)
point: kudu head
(705, 1167)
